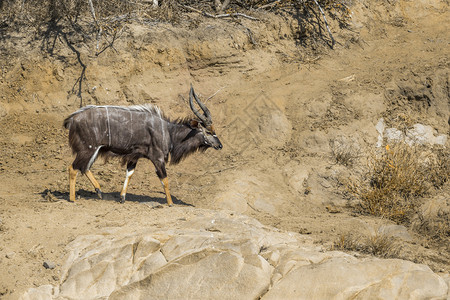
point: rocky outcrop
(226, 256)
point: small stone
(10, 255)
(3, 290)
(49, 265)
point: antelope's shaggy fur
(134, 132)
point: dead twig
(326, 24)
(220, 7)
(214, 94)
(250, 36)
(270, 5)
(91, 6)
(236, 15)
(80, 79)
(99, 28)
(220, 15)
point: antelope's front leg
(162, 175)
(165, 184)
(130, 171)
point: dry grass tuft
(397, 177)
(436, 227)
(344, 151)
(377, 245)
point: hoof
(122, 199)
(99, 193)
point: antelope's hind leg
(130, 171)
(89, 174)
(83, 162)
(72, 179)
(94, 182)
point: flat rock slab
(228, 256)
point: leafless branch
(270, 5)
(99, 29)
(115, 36)
(214, 94)
(235, 15)
(220, 15)
(91, 5)
(219, 6)
(326, 24)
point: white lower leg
(125, 184)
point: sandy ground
(344, 92)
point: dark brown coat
(133, 132)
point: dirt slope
(275, 115)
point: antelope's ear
(194, 123)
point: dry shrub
(344, 151)
(440, 173)
(397, 177)
(436, 227)
(379, 245)
(37, 13)
(347, 242)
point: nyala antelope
(133, 132)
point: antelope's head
(204, 122)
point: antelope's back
(114, 126)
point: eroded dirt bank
(276, 116)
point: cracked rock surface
(222, 255)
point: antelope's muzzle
(217, 144)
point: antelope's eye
(210, 130)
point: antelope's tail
(67, 122)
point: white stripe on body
(93, 157)
(109, 127)
(162, 129)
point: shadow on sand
(54, 196)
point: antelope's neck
(178, 133)
(184, 141)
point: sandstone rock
(44, 292)
(397, 231)
(349, 278)
(249, 192)
(295, 176)
(418, 134)
(222, 255)
(3, 111)
(422, 134)
(206, 274)
(275, 127)
(232, 199)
